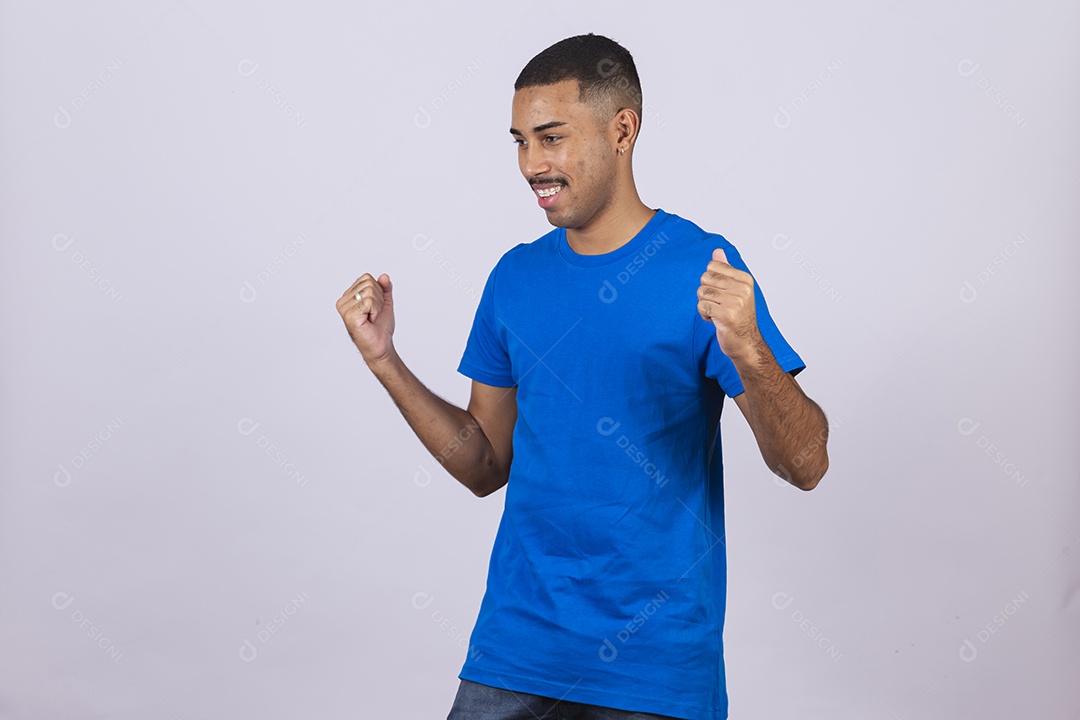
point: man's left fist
(726, 298)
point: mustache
(548, 181)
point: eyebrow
(539, 128)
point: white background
(194, 453)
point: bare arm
(473, 445)
(790, 429)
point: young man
(600, 357)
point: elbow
(492, 478)
(810, 480)
(807, 476)
(482, 490)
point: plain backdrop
(210, 509)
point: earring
(622, 150)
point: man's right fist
(367, 308)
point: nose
(533, 161)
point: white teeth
(549, 192)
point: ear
(625, 126)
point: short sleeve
(714, 362)
(486, 358)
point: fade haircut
(604, 69)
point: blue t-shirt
(608, 577)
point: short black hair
(605, 71)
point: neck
(614, 226)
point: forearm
(451, 434)
(790, 428)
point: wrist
(385, 362)
(750, 355)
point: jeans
(483, 702)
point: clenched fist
(367, 308)
(726, 298)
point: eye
(552, 137)
(519, 142)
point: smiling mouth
(547, 192)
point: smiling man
(600, 357)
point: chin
(562, 220)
